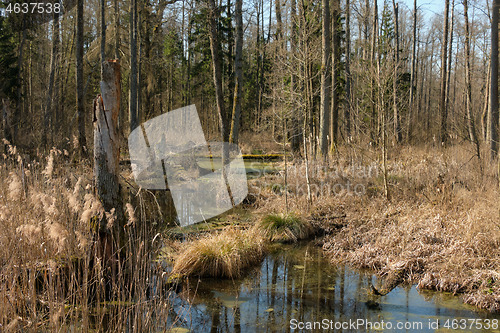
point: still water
(295, 287)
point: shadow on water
(296, 286)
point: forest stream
(296, 284)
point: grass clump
(285, 228)
(226, 254)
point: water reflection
(295, 285)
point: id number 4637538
(471, 323)
(34, 8)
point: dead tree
(106, 158)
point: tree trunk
(450, 49)
(17, 111)
(82, 142)
(397, 127)
(296, 127)
(374, 135)
(257, 72)
(429, 94)
(470, 118)
(348, 79)
(132, 107)
(279, 22)
(484, 115)
(235, 125)
(412, 73)
(106, 145)
(103, 33)
(106, 161)
(217, 71)
(117, 30)
(444, 68)
(325, 78)
(7, 132)
(48, 112)
(334, 121)
(493, 118)
(231, 57)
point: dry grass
(285, 228)
(51, 275)
(226, 254)
(439, 229)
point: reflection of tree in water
(297, 282)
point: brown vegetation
(439, 229)
(285, 228)
(226, 254)
(50, 271)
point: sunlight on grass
(226, 254)
(285, 228)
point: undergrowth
(52, 277)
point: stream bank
(295, 285)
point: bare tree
(325, 78)
(217, 70)
(412, 73)
(238, 69)
(117, 29)
(493, 118)
(372, 61)
(397, 127)
(444, 68)
(82, 141)
(48, 112)
(132, 107)
(470, 118)
(334, 121)
(450, 52)
(296, 128)
(103, 33)
(348, 78)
